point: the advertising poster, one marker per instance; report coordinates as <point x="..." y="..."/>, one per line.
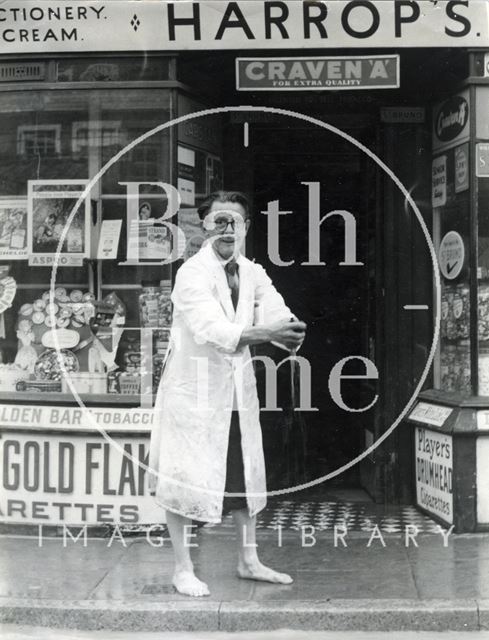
<point x="434" y="473"/>
<point x="149" y="238"/>
<point x="189" y="222"/>
<point x="13" y="230"/>
<point x="54" y="227"/>
<point x="244" y="327"/>
<point x="95" y="477"/>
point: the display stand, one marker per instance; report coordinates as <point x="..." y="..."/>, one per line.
<point x="450" y="424"/>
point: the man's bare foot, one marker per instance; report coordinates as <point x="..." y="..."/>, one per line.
<point x="187" y="583"/>
<point x="258" y="571"/>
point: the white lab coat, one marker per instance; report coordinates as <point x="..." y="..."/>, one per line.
<point x="189" y="441"/>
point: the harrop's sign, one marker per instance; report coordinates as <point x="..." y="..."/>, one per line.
<point x="30" y="26"/>
<point x="317" y="73"/>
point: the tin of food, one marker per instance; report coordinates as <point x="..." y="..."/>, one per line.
<point x="39" y="304"/>
<point x="26" y="310"/>
<point x="65" y="312"/>
<point x="25" y="325"/>
<point x="52" y="308"/>
<point x="59" y="292"/>
<point x="76" y="295"/>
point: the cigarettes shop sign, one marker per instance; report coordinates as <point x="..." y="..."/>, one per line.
<point x="90" y="419"/>
<point x="451" y="122"/>
<point x="451" y="255"/>
<point x="54" y="26"/>
<point x="299" y="74"/>
<point x="74" y="480"/>
<point x="434" y="473"/>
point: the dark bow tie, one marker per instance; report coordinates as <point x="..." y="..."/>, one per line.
<point x="231" y="269"/>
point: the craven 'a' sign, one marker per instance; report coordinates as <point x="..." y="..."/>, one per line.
<point x="320" y="73"/>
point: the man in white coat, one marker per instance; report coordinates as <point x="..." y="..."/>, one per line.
<point x="207" y="442"/>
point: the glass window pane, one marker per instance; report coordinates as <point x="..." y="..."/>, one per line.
<point x="454" y="216"/>
<point x="36" y="138"/>
<point x="483" y="287"/>
<point x="126" y="118"/>
<point x="68" y="135"/>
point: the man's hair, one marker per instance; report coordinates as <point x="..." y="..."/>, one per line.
<point x="224" y="196"/>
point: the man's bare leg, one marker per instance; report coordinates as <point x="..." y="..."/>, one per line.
<point x="184" y="579"/>
<point x="249" y="565"/>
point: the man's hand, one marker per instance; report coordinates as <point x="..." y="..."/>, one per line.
<point x="289" y="333"/>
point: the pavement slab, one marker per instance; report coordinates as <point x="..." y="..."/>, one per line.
<point x="13" y="632"/>
<point x="206" y="615"/>
<point x="188" y="615"/>
<point x="342" y="615"/>
<point x="369" y="584"/>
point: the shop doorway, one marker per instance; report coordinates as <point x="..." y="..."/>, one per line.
<point x="337" y="302"/>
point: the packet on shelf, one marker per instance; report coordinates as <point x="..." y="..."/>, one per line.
<point x="461" y="311"/>
<point x="11" y="375"/>
<point x="155" y="310"/>
<point x="148" y="305"/>
<point x="483" y="321"/>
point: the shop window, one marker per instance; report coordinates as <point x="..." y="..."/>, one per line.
<point x="452" y="234"/>
<point x="141" y="163"/>
<point x="39" y="140"/>
<point x="52" y="142"/>
<point x="148" y="161"/>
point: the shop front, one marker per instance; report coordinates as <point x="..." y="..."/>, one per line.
<point x="359" y="152"/>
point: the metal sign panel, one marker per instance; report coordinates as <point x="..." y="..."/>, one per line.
<point x="432" y="414"/>
<point x="70" y="479"/>
<point x="434" y="472"/>
<point x="317" y="73"/>
<point x="402" y="115"/>
<point x="451" y="122"/>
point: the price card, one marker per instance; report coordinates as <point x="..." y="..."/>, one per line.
<point x="108" y="243"/>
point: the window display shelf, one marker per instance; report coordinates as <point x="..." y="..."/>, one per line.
<point x="92" y="399"/>
<point x="454" y="399"/>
